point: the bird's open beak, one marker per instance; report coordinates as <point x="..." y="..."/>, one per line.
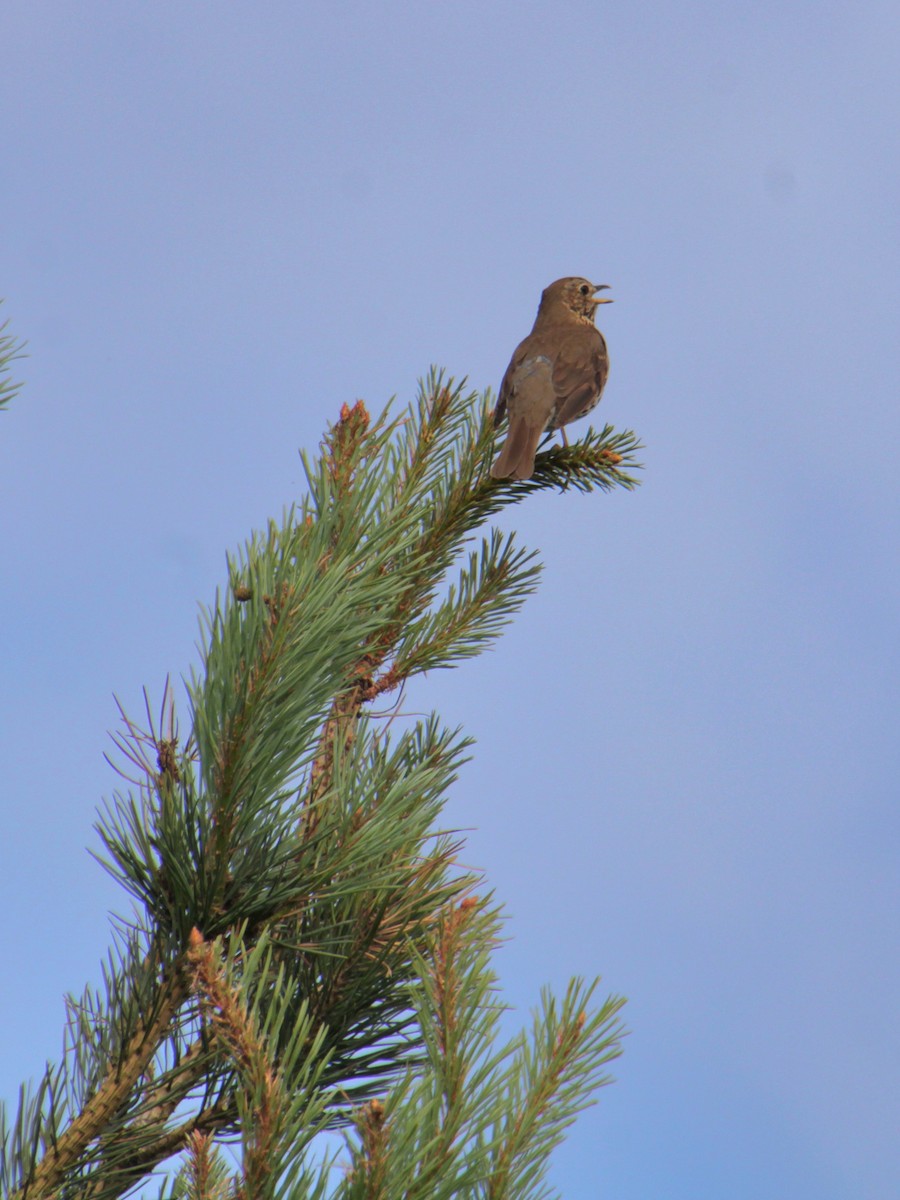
<point x="601" y="287"/>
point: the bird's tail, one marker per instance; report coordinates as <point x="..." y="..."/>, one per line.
<point x="516" y="459"/>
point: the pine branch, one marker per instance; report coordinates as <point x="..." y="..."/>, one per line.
<point x="475" y="1120"/>
<point x="69" y="1147"/>
<point x="551" y="1079"/>
<point x="450" y="505"/>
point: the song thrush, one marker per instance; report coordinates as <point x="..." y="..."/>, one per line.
<point x="555" y="376"/>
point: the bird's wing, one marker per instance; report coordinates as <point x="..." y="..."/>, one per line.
<point x="521" y="352"/>
<point x="579" y="373"/>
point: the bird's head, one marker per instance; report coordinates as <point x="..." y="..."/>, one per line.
<point x="574" y="295"/>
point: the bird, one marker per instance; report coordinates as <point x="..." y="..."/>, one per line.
<point x="555" y="375"/>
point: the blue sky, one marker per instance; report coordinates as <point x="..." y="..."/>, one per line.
<point x="219" y="223"/>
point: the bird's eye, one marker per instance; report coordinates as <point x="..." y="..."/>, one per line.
<point x="585" y="290"/>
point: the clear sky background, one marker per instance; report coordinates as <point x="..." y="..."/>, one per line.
<point x="220" y="222"/>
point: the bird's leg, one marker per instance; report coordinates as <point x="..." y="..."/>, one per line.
<point x="549" y="437"/>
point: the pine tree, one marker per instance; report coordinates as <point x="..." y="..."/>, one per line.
<point x="303" y="952"/>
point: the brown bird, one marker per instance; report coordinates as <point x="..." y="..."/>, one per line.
<point x="555" y="376"/>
